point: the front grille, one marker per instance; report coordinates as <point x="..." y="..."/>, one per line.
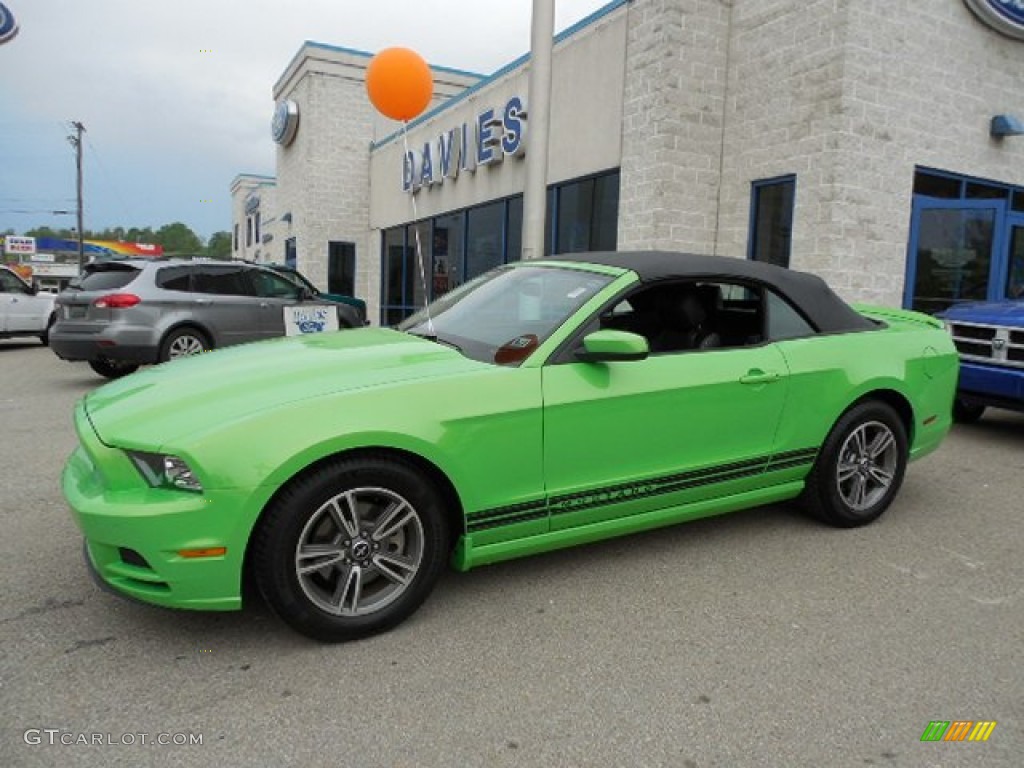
<point x="989" y="343"/>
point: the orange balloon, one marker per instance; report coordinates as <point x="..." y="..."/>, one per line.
<point x="399" y="83"/>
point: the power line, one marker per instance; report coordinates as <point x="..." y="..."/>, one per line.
<point x="110" y="182"/>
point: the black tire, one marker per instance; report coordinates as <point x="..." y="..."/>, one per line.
<point x="183" y="342"/>
<point x="860" y="467"/>
<point x="352" y="585"/>
<point x="966" y="413"/>
<point x="45" y="335"/>
<point x="112" y="369"/>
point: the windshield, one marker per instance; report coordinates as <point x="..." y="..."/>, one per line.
<point x="502" y="316"/>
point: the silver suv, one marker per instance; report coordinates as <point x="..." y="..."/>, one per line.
<point x="121" y="314"/>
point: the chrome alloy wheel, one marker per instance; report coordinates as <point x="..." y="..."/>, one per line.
<point x="185" y="346"/>
<point x="359" y="551"/>
<point x="868" y="460"/>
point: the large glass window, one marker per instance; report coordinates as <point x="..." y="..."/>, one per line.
<point x="461" y="245"/>
<point x="485" y="238"/>
<point x="965" y="241"/>
<point x="514" y="229"/>
<point x="588" y="213"/>
<point x="341" y="268"/>
<point x="393" y="309"/>
<point x="417" y="262"/>
<point x="771" y="220"/>
<point x="1015" y="274"/>
<point x="954" y="256"/>
<point x="448" y="252"/>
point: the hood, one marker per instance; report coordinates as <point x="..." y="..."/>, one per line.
<point x="192" y="395"/>
<point x="987" y="312"/>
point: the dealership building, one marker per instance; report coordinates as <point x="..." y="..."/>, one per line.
<point x="873" y="143"/>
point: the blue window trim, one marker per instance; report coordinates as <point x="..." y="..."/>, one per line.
<point x="755" y="193"/>
<point x="1004" y="217"/>
<point x="997" y="263"/>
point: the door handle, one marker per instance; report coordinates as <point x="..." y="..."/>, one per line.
<point x="264" y="303"/>
<point x="202" y="301"/>
<point x="757" y="376"/>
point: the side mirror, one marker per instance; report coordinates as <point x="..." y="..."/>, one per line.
<point x="33" y="289"/>
<point x="609" y="346"/>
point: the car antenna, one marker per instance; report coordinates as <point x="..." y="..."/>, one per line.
<point x="419" y="245"/>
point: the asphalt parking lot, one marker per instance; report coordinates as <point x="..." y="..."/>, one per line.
<point x="756" y="639"/>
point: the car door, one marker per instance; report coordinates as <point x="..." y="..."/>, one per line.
<point x="273" y="293"/>
<point x="289" y="309"/>
<point x="225" y="303"/>
<point x="21" y="311"/>
<point x="681" y="426"/>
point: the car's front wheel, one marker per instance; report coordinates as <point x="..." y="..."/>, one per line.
<point x="112" y="369"/>
<point x="859" y="468"/>
<point x="351" y="549"/>
<point x="183" y="342"/>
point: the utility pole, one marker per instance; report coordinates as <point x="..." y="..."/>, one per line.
<point x="535" y="193"/>
<point x="76" y="142"/>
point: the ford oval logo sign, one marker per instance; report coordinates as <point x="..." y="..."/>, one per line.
<point x="1006" y="16"/>
<point x="8" y="26"/>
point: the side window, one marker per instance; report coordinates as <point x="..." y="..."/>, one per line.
<point x="784" y="322"/>
<point x="269" y="285"/>
<point x="10" y="284"/>
<point x="174" y="278"/>
<point x="226" y="281"/>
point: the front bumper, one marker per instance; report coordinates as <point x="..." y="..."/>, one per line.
<point x="134" y="533"/>
<point x="998" y="386"/>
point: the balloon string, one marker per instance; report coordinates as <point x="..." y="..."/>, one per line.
<point x="416" y="229"/>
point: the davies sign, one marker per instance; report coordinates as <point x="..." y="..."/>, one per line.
<point x="1006" y="16"/>
<point x="494" y="135"/>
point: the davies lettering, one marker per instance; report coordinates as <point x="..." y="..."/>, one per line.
<point x="487" y="140"/>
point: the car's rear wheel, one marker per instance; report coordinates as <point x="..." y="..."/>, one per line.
<point x="112" y="369"/>
<point x="351" y="549"/>
<point x="183" y="342"/>
<point x="967" y="413"/>
<point x="859" y="468"/>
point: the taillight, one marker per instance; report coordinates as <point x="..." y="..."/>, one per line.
<point x="117" y="301"/>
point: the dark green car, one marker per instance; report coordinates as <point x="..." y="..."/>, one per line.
<point x="543" y="405"/>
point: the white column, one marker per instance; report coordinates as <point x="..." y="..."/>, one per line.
<point x="538" y="124"/>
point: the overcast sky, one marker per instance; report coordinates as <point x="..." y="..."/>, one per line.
<point x="168" y="125"/>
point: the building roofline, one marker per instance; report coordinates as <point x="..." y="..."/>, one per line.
<point x="565" y="34"/>
<point x="362" y="54"/>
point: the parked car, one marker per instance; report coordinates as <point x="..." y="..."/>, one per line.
<point x="543" y="405"/>
<point x="24" y="310"/>
<point x="122" y="314"/>
<point x="990" y="339"/>
<point x="301" y="280"/>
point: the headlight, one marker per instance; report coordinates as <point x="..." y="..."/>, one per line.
<point x="164" y="471"/>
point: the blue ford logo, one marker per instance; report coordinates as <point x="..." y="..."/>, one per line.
<point x="8" y="26"/>
<point x="1006" y="16"/>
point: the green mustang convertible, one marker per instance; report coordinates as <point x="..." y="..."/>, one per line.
<point x="543" y="405"/>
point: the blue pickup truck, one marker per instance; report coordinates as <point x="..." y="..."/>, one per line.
<point x="990" y="339"/>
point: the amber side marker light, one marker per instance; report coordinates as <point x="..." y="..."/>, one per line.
<point x="930" y="420"/>
<point x="208" y="552"/>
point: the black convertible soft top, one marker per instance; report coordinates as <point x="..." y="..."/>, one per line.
<point x="826" y="311"/>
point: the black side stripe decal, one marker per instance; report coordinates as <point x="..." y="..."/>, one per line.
<point x="574" y="502"/>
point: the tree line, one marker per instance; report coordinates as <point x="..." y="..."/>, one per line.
<point x="176" y="238"/>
